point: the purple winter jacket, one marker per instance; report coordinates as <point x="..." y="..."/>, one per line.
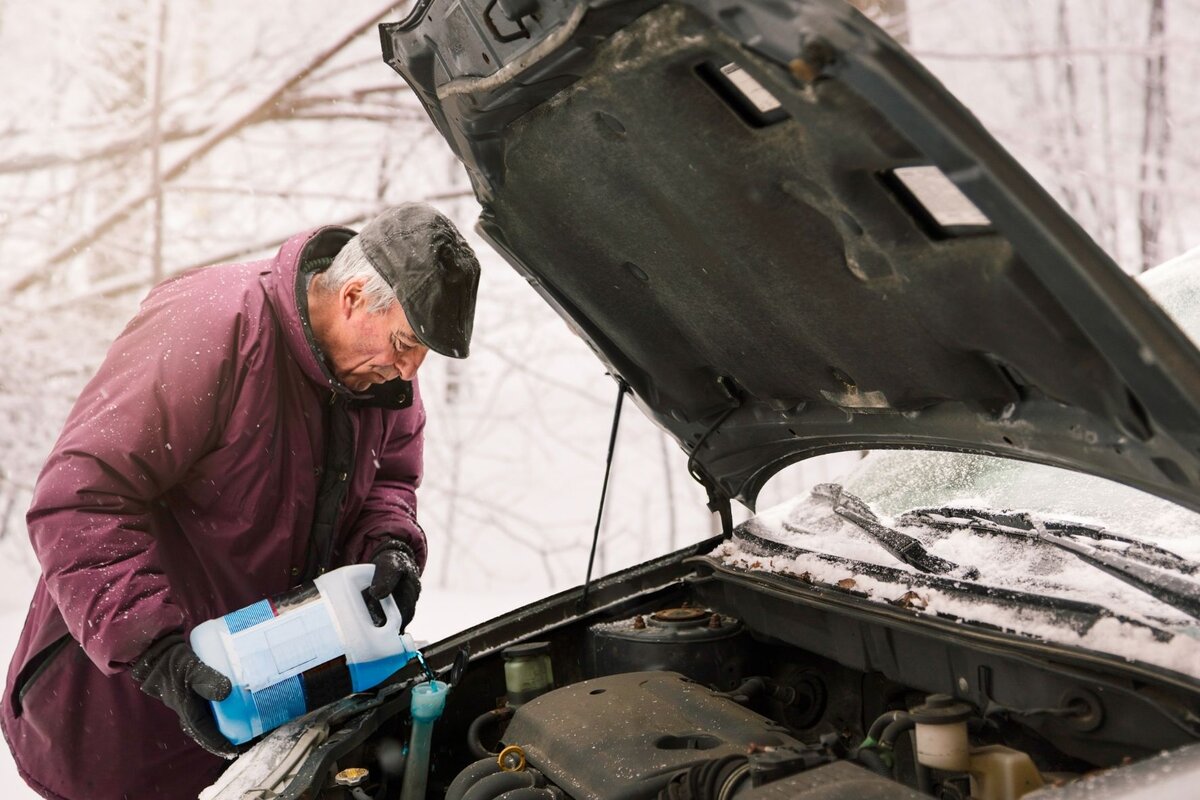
<point x="183" y="487"/>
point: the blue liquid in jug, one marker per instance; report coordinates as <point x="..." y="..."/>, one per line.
<point x="245" y="715"/>
<point x="288" y="655"/>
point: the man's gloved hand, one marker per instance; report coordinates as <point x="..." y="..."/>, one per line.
<point x="397" y="574"/>
<point x="171" y="672"/>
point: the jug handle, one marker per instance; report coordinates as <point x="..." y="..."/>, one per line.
<point x="374" y="609"/>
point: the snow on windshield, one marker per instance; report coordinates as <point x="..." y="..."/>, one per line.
<point x="809" y="524"/>
<point x="1002" y="561"/>
<point x="894" y="482"/>
<point x="1118" y="637"/>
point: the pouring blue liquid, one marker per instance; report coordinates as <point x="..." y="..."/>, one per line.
<point x="300" y="650"/>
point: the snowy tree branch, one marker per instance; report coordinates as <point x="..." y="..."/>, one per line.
<point x="124" y="209"/>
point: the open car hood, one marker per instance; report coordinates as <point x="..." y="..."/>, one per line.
<point x="789" y="239"/>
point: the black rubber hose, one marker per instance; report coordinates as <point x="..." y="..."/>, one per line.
<point x="902" y="723"/>
<point x="882" y="722"/>
<point x="493" y="786"/>
<point x="752" y="687"/>
<point x="474" y="740"/>
<point x="537" y="789"/>
<point x="870" y="759"/>
<point x="747" y="691"/>
<point x="471" y="775"/>
<point x="530" y="793"/>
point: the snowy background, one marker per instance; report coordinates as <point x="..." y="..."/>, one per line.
<point x="139" y="138"/>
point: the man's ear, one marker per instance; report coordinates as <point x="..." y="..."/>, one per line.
<point x="350" y="297"/>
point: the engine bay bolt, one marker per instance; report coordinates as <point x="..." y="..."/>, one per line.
<point x="351" y="777"/>
<point x="714" y="622"/>
<point x="639" y="622"/>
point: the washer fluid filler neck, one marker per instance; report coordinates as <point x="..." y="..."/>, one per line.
<point x="428" y="702"/>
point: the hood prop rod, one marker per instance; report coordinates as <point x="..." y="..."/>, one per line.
<point x="622" y="388"/>
<point x="717" y="503"/>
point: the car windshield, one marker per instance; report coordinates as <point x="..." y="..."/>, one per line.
<point x="1044" y="533"/>
<point x="893" y="482"/>
<point x="896" y="481"/>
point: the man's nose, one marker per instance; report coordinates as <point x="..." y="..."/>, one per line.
<point x="409" y="361"/>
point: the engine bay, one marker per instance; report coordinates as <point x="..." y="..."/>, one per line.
<point x="687" y="702"/>
<point x="684" y="680"/>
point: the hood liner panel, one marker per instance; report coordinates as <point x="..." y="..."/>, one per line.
<point x="713" y="257"/>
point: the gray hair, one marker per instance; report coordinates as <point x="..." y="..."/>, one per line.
<point x="350" y="264"/>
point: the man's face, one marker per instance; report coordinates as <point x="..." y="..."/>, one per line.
<point x="365" y="348"/>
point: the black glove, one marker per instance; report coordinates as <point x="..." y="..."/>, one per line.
<point x="171" y="672"/>
<point x="397" y="574"/>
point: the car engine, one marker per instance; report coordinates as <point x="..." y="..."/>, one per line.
<point x="674" y="713"/>
<point x="686" y="682"/>
<point x="650" y="734"/>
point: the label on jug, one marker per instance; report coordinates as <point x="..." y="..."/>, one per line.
<point x="287" y="645"/>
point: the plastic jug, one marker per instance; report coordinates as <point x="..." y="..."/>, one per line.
<point x="300" y="650"/>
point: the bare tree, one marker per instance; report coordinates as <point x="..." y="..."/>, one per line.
<point x="254" y="141"/>
<point x="155" y="63"/>
<point x="1109" y="233"/>
<point x="275" y="103"/>
<point x="1156" y="139"/>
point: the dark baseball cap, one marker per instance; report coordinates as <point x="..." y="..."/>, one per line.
<point x="432" y="269"/>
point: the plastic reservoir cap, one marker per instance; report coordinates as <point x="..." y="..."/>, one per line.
<point x="940" y="709"/>
<point x="429" y="700"/>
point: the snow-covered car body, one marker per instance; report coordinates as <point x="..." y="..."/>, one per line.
<point x="787" y="239"/>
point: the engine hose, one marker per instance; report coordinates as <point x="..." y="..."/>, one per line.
<point x="747" y="691"/>
<point x="532" y="793"/>
<point x="493" y="786"/>
<point x="882" y="722"/>
<point x="871" y="760"/>
<point x="470" y="776"/>
<point x="474" y="739"/>
<point x="752" y="687"/>
<point x="902" y="723"/>
<point x="708" y="780"/>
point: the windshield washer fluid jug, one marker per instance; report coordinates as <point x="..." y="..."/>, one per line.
<point x="300" y="650"/>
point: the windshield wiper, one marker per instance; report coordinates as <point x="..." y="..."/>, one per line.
<point x="1140" y="564"/>
<point x="900" y="545"/>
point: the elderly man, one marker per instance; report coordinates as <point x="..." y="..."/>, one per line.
<point x="254" y="425"/>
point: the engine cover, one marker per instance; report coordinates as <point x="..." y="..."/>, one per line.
<point x="623" y="736"/>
